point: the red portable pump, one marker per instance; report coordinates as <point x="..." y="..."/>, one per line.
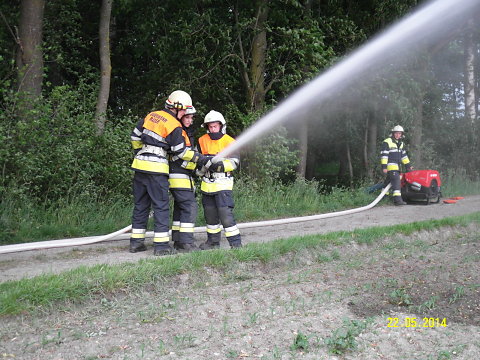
<point x="421" y="185"/>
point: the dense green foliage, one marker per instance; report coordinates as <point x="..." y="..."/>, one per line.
<point x="55" y="154"/>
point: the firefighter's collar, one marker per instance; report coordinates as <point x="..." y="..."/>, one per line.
<point x="216" y="136"/>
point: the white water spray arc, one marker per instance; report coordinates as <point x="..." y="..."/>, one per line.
<point x="418" y="28"/>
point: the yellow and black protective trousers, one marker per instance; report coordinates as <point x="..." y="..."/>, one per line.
<point x="184" y="214"/>
<point x="150" y="191"/>
<point x="182" y="188"/>
<point x="218" y="208"/>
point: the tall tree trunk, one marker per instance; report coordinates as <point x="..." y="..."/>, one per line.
<point x="469" y="86"/>
<point x="349" y="163"/>
<point x="29" y="54"/>
<point x="416" y="135"/>
<point x="310" y="168"/>
<point x="370" y="153"/>
<point x="303" y="148"/>
<point x="303" y="126"/>
<point x="256" y="92"/>
<point x="105" y="66"/>
<point x="346" y="167"/>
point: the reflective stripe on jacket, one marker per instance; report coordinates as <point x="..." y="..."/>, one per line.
<point x="155" y="136"/>
<point x="181" y="171"/>
<point x="392" y="154"/>
<point x="213" y="182"/>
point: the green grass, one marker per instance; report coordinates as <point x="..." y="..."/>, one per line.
<point x="458" y="183"/>
<point x="83" y="283"/>
<point x="344" y="338"/>
<point x="21" y="221"/>
<point x="272" y="201"/>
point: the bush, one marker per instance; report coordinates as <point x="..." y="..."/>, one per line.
<point x="53" y="153"/>
<point x="272" y="158"/>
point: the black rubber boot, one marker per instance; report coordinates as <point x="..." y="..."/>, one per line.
<point x="137" y="246"/>
<point x="185" y="247"/>
<point x="397" y="201"/>
<point x="210" y="245"/>
<point x="162" y="251"/>
<point x="235" y="241"/>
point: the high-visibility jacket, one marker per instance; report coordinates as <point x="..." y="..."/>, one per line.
<point x="393" y="154"/>
<point x="212" y="181"/>
<point x="156" y="136"/>
<point x="181" y="171"/>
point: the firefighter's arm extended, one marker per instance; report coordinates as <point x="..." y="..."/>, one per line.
<point x="225" y="165"/>
<point x="179" y="149"/>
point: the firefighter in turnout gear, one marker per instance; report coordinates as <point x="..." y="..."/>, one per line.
<point x="183" y="191"/>
<point x="154" y="139"/>
<point x="217" y="184"/>
<point x="393" y="154"/>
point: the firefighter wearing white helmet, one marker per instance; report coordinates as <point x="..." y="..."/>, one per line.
<point x="183" y="191"/>
<point x="154" y="139"/>
<point x="392" y="155"/>
<point x="179" y="100"/>
<point x="397" y="128"/>
<point x="217" y="184"/>
<point x="215" y="116"/>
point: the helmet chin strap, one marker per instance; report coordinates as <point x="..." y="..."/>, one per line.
<point x="175" y="111"/>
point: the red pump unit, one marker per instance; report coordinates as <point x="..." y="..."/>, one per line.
<point x="421" y="186"/>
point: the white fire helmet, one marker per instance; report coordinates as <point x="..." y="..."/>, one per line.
<point x="179" y="100"/>
<point x="215" y="116"/>
<point x="191" y="111"/>
<point x="397" y="128"/>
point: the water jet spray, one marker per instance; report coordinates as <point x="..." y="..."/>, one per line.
<point x="387" y="47"/>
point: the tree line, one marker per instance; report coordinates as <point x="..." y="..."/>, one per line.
<point x="76" y="76"/>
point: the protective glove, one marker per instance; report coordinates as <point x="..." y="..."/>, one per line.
<point x="203" y="161"/>
<point x="203" y="164"/>
<point x="217" y="167"/>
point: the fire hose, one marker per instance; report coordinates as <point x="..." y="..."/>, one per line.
<point x="120" y="234"/>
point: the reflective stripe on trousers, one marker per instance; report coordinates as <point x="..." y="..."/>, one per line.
<point x="393" y="177"/>
<point x="184" y="215"/>
<point x="218" y="208"/>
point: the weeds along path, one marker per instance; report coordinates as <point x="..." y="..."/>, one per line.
<point x="15" y="266"/>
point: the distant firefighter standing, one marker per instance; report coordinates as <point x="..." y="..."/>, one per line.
<point x="392" y="155"/>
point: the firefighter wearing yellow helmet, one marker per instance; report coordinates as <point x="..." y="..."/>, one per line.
<point x="392" y="155"/>
<point x="183" y="191"/>
<point x="217" y="184"/>
<point x="154" y="139"/>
